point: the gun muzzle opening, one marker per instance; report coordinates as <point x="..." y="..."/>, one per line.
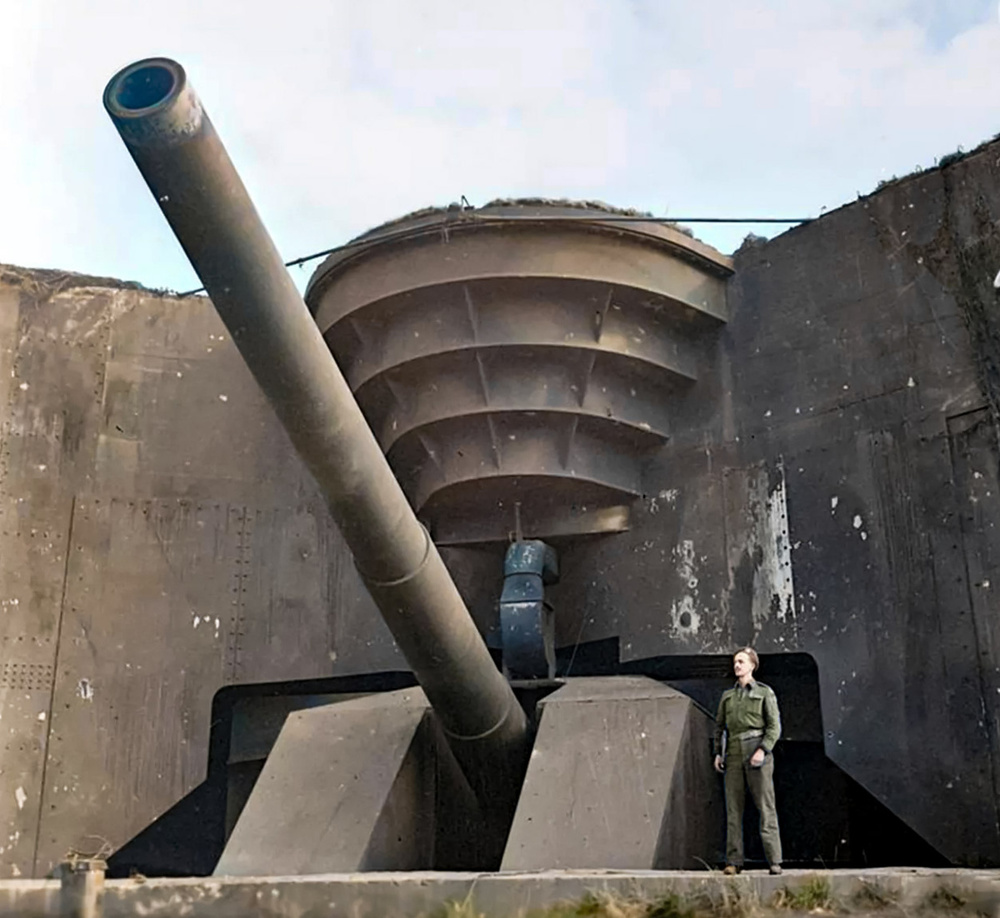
<point x="143" y="86"/>
<point x="151" y="103"/>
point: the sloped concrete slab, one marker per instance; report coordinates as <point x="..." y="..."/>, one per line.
<point x="620" y="777"/>
<point x="342" y="790"/>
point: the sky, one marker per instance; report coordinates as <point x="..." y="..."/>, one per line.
<point x="341" y="114"/>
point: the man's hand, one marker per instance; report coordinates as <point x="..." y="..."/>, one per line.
<point x="719" y="766"/>
<point x="757" y="759"/>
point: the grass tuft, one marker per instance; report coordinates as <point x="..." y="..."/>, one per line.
<point x="950" y="158"/>
<point x="733" y="899"/>
<point x="609" y="905"/>
<point x="814" y="895"/>
<point x="670" y="906"/>
<point x="459" y="909"/>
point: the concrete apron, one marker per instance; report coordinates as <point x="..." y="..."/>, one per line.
<point x="395" y="895"/>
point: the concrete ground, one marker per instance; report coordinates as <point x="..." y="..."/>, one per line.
<point x="617" y="894"/>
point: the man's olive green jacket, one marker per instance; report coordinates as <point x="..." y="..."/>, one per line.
<point x="744" y="709"/>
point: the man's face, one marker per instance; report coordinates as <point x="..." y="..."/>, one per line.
<point x="742" y="665"/>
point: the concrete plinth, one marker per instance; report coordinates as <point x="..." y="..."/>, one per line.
<point x="620" y="777"/>
<point x="348" y="786"/>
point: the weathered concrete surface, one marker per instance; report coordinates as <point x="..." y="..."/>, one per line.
<point x="160" y="540"/>
<point x="617" y="779"/>
<point x="859" y="369"/>
<point x="368" y="783"/>
<point x="407" y="895"/>
<point x="346" y="787"/>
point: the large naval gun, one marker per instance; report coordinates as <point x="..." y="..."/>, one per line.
<point x="451" y="576"/>
<point x="356" y="784"/>
<point x="186" y="167"/>
<point x="512" y="385"/>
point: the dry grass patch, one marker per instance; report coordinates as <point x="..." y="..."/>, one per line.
<point x="609" y="905"/>
<point x="734" y="899"/>
<point x="871" y="898"/>
<point x="462" y="909"/>
<point x="945" y="900"/>
<point x="814" y="895"/>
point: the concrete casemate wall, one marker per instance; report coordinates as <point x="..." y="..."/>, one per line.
<point x="829" y="486"/>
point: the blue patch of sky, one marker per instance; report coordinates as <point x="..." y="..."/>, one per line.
<point x="944" y="20"/>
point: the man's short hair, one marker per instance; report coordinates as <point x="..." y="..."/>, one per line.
<point x="752" y="654"/>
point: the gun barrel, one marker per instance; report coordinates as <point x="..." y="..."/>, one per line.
<point x="182" y="159"/>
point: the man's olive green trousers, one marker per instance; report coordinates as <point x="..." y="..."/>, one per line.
<point x="740" y="775"/>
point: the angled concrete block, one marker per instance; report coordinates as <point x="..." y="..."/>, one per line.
<point x="348" y="786"/>
<point x="620" y="777"/>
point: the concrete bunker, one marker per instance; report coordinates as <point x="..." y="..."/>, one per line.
<point x="809" y="465"/>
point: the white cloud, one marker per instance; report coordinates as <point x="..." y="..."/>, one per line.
<point x="340" y="115"/>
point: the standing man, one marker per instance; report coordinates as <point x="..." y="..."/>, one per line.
<point x="749" y="722"/>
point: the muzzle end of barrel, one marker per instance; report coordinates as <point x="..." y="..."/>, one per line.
<point x="151" y="101"/>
